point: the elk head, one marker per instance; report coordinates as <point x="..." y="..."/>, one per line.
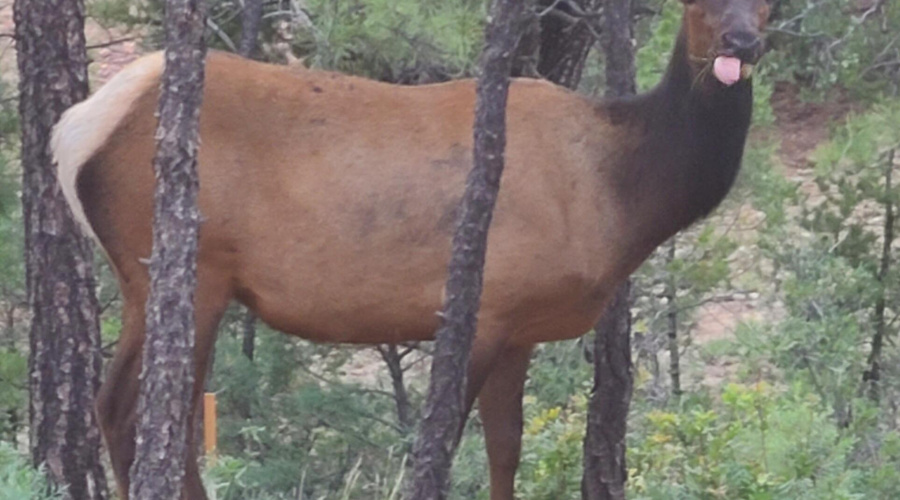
<point x="724" y="37"/>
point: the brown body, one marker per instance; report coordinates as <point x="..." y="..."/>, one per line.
<point x="329" y="203"/>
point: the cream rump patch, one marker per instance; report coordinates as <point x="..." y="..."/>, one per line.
<point x="85" y="127"/>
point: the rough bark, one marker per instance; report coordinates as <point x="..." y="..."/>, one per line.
<point x="605" y="470"/>
<point x="251" y="18"/>
<point x="444" y="407"/>
<point x="872" y="376"/>
<point x="604" y="444"/>
<point x="164" y="405"/>
<point x="64" y="362"/>
<point x="618" y="48"/>
<point x="565" y="40"/>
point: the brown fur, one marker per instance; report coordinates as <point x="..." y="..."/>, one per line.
<point x="329" y="203"/>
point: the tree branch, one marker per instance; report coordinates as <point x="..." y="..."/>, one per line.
<point x="110" y="43"/>
<point x="222" y="35"/>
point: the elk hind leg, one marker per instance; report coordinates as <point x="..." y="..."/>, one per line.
<point x="118" y="397"/>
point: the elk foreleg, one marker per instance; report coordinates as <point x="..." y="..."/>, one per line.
<point x="500" y="406"/>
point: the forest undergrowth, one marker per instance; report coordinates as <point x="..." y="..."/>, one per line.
<point x="774" y="302"/>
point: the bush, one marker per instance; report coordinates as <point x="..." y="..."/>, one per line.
<point x="753" y="442"/>
<point x="19" y="481"/>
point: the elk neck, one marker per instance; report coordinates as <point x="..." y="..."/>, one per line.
<point x="681" y="149"/>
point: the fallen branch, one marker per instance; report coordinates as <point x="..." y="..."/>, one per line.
<point x="110" y="43"/>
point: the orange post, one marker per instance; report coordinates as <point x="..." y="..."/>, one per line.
<point x="209" y="426"/>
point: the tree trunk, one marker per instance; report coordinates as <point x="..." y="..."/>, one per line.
<point x="393" y="358"/>
<point x="445" y="403"/>
<point x="65" y="362"/>
<point x="605" y="472"/>
<point x="872" y="376"/>
<point x="251" y="18"/>
<point x="604" y="444"/>
<point x="618" y="48"/>
<point x="565" y="45"/>
<point x="167" y="377"/>
<point x="527" y="54"/>
<point x="672" y="323"/>
<point x="248" y="346"/>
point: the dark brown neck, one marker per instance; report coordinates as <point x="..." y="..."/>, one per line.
<point x="686" y="140"/>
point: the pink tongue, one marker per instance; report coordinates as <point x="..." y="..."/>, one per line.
<point x="727" y="69"/>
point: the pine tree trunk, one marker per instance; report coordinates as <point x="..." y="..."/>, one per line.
<point x="672" y="323"/>
<point x="618" y="48"/>
<point x="393" y="358"/>
<point x="248" y="344"/>
<point x="164" y="405"/>
<point x="251" y="18"/>
<point x="444" y="407"/>
<point x="248" y="347"/>
<point x="872" y="376"/>
<point x="605" y="472"/>
<point x="65" y="362"/>
<point x="604" y="444"/>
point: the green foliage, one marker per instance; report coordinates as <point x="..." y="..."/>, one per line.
<point x="12" y="268"/>
<point x="9" y="137"/>
<point x="830" y="268"/>
<point x="290" y="423"/>
<point x="771" y="193"/>
<point x="294" y="424"/>
<point x="470" y="469"/>
<point x="19" y="481"/>
<point x="558" y="370"/>
<point x="830" y="42"/>
<point x="763" y="89"/>
<point x="823" y="247"/>
<point x="409" y="41"/>
<point x="13" y="361"/>
<point x="678" y="284"/>
<point x="13" y="392"/>
<point x="696" y="270"/>
<point x="652" y="58"/>
<point x="394" y="40"/>
<point x="851" y="175"/>
<point x="820" y="341"/>
<point x="552" y="450"/>
<point x="116" y="12"/>
<point x="753" y="442"/>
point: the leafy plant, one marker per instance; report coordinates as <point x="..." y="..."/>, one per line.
<point x="19" y="481"/>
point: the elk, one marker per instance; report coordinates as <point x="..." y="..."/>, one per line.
<point x="329" y="203"/>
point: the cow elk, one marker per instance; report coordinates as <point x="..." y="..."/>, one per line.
<point x="329" y="202"/>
